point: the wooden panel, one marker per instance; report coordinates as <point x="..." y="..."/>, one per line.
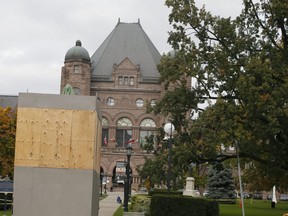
<point x="57" y="138"/>
<point x="56" y="133"/>
<point x="28" y="136"/>
<point x="83" y="139"/>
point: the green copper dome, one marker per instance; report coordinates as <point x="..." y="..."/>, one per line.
<point x="77" y="53"/>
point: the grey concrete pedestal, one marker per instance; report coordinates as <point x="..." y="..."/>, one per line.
<point x="189" y="188"/>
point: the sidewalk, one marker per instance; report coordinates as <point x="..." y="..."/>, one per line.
<point x="109" y="205"/>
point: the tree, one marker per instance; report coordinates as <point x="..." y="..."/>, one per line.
<point x="239" y="71"/>
<point x="220" y="183"/>
<point x="7" y="140"/>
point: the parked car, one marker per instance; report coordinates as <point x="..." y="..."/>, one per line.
<point x="205" y="193"/>
<point x="258" y="196"/>
<point x="283" y="197"/>
<point x="246" y="195"/>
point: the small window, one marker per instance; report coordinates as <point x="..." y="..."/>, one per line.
<point x="76" y="69"/>
<point x="139" y="102"/>
<point x="77" y="91"/>
<point x="120" y="80"/>
<point x="131" y="81"/>
<point x="125" y="80"/>
<point x="110" y="101"/>
<point x="153" y="102"/>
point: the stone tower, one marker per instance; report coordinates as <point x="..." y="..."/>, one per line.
<point x="77" y="70"/>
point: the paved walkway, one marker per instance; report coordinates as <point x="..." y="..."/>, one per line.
<point x="109" y="205"/>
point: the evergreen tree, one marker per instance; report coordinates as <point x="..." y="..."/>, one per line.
<point x="220" y="183"/>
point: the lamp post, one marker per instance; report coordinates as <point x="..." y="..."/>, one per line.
<point x="101" y="183"/>
<point x="127" y="182"/>
<point x="105" y="186"/>
<point x="240" y="181"/>
<point x="169" y="128"/>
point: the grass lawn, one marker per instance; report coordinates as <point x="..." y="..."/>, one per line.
<point x="119" y="211"/>
<point x="8" y="213"/>
<point x="254" y="208"/>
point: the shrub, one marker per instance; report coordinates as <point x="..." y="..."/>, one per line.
<point x="163" y="191"/>
<point x="140" y="203"/>
<point x="169" y="205"/>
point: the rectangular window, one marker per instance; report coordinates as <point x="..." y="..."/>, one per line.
<point x="122" y="137"/>
<point x="131" y="81"/>
<point x="125" y="80"/>
<point x="120" y="80"/>
<point x="76" y="69"/>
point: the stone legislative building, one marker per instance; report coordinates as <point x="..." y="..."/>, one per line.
<point x="122" y="73"/>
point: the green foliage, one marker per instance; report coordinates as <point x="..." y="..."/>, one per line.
<point x="164" y="191"/>
<point x="7" y="140"/>
<point x="182" y="205"/>
<point x="220" y="183"/>
<point x="149" y="145"/>
<point x="239" y="71"/>
<point x="140" y="203"/>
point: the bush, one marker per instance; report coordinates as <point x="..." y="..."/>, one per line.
<point x="140" y="203"/>
<point x="167" y="205"/>
<point x="163" y="191"/>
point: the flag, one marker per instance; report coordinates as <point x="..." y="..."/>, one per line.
<point x="105" y="140"/>
<point x="130" y="141"/>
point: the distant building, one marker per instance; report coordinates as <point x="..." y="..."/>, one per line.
<point x="8" y="101"/>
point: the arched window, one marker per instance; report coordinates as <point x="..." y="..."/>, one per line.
<point x="123" y="132"/>
<point x="105" y="132"/>
<point x="147" y="129"/>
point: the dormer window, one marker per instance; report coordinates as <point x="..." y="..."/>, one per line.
<point x="125" y="80"/>
<point x="131" y="81"/>
<point x="120" y="80"/>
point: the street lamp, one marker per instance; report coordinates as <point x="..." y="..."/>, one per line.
<point x="169" y="128"/>
<point x="127" y="182"/>
<point x="101" y="183"/>
<point x="105" y="185"/>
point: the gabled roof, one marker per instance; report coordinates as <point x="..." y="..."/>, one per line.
<point x="127" y="40"/>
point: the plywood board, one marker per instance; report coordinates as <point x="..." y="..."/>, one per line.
<point x="57" y="138"/>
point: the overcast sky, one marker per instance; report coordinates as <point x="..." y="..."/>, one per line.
<point x="35" y="35"/>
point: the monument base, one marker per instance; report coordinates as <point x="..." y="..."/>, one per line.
<point x="189" y="188"/>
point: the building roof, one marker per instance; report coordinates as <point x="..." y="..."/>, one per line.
<point x="8" y="101"/>
<point x="77" y="53"/>
<point x="127" y="40"/>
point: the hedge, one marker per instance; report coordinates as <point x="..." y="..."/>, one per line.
<point x="172" y="205"/>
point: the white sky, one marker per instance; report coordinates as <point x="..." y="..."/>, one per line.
<point x="35" y="35"/>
